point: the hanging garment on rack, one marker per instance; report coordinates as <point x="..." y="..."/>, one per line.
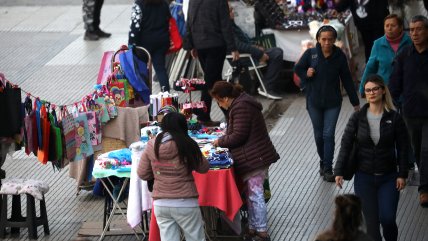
<point x="10" y="109"/>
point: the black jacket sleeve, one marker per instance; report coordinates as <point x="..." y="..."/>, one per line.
<point x="301" y="67"/>
<point x="348" y="83"/>
<point x="135" y="25"/>
<point x="226" y="25"/>
<point x="347" y="142"/>
<point x="401" y="145"/>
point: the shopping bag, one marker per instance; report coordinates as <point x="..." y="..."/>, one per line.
<point x="137" y="73"/>
<point x="10" y="109"/>
<point x="174" y="37"/>
<point x="117" y="91"/>
<point x="30" y="128"/>
<point x="83" y="143"/>
<point x="105" y="67"/>
<point x="55" y="146"/>
<point x="43" y="151"/>
<point x="94" y="127"/>
<point x="67" y="125"/>
<point x="103" y="112"/>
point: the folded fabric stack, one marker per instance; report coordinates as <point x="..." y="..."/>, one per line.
<point x="220" y="159"/>
<point x="118" y="160"/>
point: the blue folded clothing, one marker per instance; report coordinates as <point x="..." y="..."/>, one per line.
<point x="220" y="160"/>
<point x="121" y="155"/>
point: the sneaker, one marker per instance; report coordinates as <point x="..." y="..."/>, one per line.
<point x="102" y="34"/>
<point x="423" y="199"/>
<point x="269" y="95"/>
<point x="328" y="176"/>
<point x="91" y="36"/>
<point x="209" y="123"/>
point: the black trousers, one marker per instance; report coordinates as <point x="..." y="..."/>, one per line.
<point x="418" y="132"/>
<point x="369" y="36"/>
<point x="212" y="60"/>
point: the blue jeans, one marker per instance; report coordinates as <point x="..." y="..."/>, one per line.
<point x="324" y="124"/>
<point x="158" y="58"/>
<point x="379" y="197"/>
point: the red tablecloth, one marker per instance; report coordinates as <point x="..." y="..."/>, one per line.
<point x="216" y="188"/>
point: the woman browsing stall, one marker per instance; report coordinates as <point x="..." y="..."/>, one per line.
<point x="169" y="159"/>
<point x="252" y="150"/>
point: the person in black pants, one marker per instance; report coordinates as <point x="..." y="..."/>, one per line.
<point x="91" y="19"/>
<point x="149" y="29"/>
<point x="368" y="18"/>
<point x="209" y="36"/>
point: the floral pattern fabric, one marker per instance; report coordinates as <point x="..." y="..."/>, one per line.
<point x="35" y="188"/>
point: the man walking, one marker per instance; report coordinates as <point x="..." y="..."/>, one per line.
<point x="409" y="80"/>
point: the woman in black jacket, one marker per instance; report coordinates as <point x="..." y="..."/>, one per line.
<point x="322" y="69"/>
<point x="381" y="157"/>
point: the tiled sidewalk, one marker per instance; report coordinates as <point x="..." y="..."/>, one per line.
<point x="43" y="51"/>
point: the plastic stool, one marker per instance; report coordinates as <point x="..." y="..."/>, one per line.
<point x="31" y="221"/>
<point x="32" y="189"/>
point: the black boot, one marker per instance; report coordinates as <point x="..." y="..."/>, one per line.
<point x="102" y="34"/>
<point x="328" y="176"/>
<point x="91" y="36"/>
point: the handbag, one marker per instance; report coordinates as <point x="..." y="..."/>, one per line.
<point x="174" y="37"/>
<point x="67" y="125"/>
<point x="10" y="104"/>
<point x="351" y="164"/>
<point x="191" y="84"/>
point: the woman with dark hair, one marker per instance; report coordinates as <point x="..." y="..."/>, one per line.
<point x="169" y="159"/>
<point x="322" y="69"/>
<point x="252" y="150"/>
<point x="385" y="49"/>
<point x="348" y="221"/>
<point x="150" y="30"/>
<point x="381" y="158"/>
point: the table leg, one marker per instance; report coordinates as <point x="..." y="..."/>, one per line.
<point x="116" y="205"/>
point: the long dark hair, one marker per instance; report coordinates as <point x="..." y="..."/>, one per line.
<point x="347" y="218"/>
<point x="188" y="150"/>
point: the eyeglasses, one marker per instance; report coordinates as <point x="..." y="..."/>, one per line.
<point x="373" y="90"/>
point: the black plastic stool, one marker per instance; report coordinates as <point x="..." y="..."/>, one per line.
<point x="31" y="221"/>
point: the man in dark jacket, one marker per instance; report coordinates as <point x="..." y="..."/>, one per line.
<point x="209" y="36"/>
<point x="272" y="56"/>
<point x="409" y="80"/>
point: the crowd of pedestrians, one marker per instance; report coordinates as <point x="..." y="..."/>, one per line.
<point x="394" y="85"/>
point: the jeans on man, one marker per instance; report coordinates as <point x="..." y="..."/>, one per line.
<point x="158" y="58"/>
<point x="418" y="132"/>
<point x="212" y="60"/>
<point x="324" y="123"/>
<point x="273" y="70"/>
<point x="379" y="197"/>
<point x="171" y="219"/>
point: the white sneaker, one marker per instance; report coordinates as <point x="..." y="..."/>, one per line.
<point x="267" y="95"/>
